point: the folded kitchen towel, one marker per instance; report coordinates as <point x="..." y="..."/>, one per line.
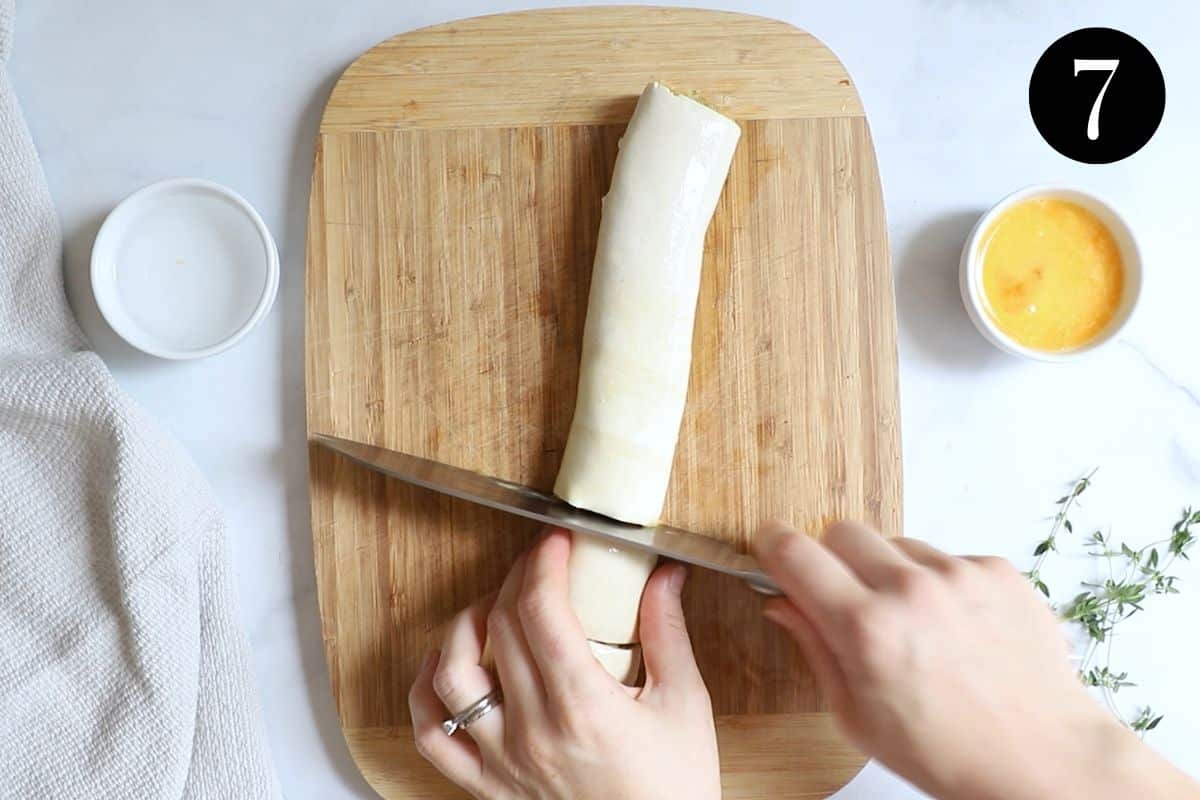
<point x="123" y="673"/>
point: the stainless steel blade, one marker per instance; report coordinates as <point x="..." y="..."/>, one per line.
<point x="674" y="543"/>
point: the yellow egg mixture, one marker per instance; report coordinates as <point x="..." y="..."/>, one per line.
<point x="1052" y="274"/>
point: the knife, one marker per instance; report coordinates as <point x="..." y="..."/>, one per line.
<point x="663" y="540"/>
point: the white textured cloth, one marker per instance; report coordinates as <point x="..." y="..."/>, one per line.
<point x="123" y="673"/>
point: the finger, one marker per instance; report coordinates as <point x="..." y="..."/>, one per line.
<point x="460" y="681"/>
<point x="456" y="757"/>
<point x="524" y="697"/>
<point x="925" y="554"/>
<point x="666" y="647"/>
<point x="462" y="651"/>
<point x="821" y="660"/>
<point x="997" y="567"/>
<point x="869" y="555"/>
<point x="553" y="632"/>
<point x="815" y="580"/>
<point x="991" y="563"/>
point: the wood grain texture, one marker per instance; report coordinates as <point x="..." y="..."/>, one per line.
<point x="764" y="756"/>
<point x="587" y="67"/>
<point x="449" y="258"/>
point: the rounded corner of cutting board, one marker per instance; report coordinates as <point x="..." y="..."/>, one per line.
<point x="373" y="750"/>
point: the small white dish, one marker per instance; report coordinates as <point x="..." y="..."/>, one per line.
<point x="184" y="268"/>
<point x="970" y="271"/>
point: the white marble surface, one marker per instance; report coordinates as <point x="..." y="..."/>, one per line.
<point x="128" y="91"/>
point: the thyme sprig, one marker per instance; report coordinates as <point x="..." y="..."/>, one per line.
<point x="1133" y="575"/>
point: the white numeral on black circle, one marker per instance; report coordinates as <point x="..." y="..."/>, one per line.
<point x="1108" y="65"/>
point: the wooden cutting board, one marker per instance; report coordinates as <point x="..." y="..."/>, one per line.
<point x="455" y="204"/>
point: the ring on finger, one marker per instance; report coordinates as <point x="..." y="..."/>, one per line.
<point x="472" y="713"/>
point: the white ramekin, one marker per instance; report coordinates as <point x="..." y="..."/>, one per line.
<point x="971" y="270"/>
<point x="184" y="268"/>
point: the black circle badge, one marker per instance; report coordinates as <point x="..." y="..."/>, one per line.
<point x="1097" y="95"/>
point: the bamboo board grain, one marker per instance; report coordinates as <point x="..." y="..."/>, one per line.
<point x="455" y="203"/>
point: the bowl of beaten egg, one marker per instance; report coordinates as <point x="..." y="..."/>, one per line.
<point x="1050" y="273"/>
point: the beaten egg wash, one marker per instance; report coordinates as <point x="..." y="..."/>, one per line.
<point x="1052" y="274"/>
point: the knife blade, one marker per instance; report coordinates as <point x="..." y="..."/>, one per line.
<point x="664" y="540"/>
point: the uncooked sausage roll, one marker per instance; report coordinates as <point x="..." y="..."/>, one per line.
<point x="637" y="342"/>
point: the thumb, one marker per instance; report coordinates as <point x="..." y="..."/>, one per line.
<point x="666" y="648"/>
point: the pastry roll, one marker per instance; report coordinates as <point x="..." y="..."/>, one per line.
<point x="623" y="663"/>
<point x="637" y="342"/>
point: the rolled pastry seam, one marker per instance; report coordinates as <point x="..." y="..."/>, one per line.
<point x="637" y="342"/>
<point x="623" y="663"/>
<point x="605" y="585"/>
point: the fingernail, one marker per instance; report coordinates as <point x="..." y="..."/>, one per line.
<point x="429" y="660"/>
<point x="841" y="526"/>
<point x="771" y="532"/>
<point x="677" y="578"/>
<point x="550" y="531"/>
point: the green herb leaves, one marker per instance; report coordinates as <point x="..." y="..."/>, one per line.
<point x="1146" y="720"/>
<point x="1050" y="543"/>
<point x="1133" y="575"/>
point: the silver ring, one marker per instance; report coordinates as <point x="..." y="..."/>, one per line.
<point x="472" y="713"/>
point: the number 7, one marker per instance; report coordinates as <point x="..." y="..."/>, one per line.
<point x="1108" y="65"/>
